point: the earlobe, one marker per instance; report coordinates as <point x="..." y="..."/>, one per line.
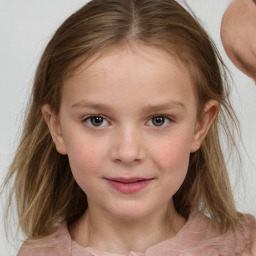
<point x="53" y="124"/>
<point x="204" y="123"/>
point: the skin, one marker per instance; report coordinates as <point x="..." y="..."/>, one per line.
<point x="238" y="35"/>
<point x="128" y="87"/>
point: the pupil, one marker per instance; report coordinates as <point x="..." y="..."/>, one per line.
<point x="97" y="120"/>
<point x="158" y="121"/>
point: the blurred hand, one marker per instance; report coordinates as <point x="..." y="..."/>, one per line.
<point x="238" y="35"/>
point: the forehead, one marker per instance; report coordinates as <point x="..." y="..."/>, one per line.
<point x="135" y="71"/>
<point x="130" y="54"/>
<point x="130" y="51"/>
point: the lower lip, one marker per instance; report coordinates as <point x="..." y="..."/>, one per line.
<point x="129" y="188"/>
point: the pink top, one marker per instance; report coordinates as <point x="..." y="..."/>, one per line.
<point x="197" y="237"/>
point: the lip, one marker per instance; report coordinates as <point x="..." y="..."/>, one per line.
<point x="129" y="185"/>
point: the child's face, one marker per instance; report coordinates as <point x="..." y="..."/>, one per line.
<point x="128" y="124"/>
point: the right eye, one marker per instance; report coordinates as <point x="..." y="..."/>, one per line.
<point x="159" y="121"/>
<point x="96" y="121"/>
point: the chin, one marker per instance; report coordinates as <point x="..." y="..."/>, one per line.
<point x="130" y="211"/>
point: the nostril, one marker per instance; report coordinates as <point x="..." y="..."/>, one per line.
<point x="127" y="161"/>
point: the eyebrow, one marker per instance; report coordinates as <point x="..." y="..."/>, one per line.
<point x="96" y="106"/>
<point x="162" y="107"/>
<point x="148" y="108"/>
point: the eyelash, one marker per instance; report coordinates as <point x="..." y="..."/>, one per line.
<point x="88" y="120"/>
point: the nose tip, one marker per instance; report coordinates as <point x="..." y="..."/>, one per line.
<point x="127" y="158"/>
<point x="128" y="149"/>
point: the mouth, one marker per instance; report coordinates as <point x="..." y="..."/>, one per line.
<point x="129" y="185"/>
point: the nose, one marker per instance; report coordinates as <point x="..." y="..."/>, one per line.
<point x="128" y="147"/>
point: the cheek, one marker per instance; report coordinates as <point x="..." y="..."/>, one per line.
<point x="86" y="157"/>
<point x="172" y="156"/>
<point x="172" y="163"/>
<point x="176" y="148"/>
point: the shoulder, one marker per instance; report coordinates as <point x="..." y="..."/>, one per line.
<point x="58" y="243"/>
<point x="247" y="232"/>
<point x="240" y="241"/>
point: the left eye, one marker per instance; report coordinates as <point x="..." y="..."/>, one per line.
<point x="96" y="121"/>
<point x="159" y="121"/>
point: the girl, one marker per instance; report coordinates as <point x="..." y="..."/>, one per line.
<point x="120" y="153"/>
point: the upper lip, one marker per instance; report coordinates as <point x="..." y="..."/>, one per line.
<point x="128" y="180"/>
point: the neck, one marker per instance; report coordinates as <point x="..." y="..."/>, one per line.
<point x="105" y="233"/>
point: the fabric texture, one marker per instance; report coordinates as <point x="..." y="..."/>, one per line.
<point x="197" y="237"/>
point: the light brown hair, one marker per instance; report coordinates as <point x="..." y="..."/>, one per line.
<point x="44" y="188"/>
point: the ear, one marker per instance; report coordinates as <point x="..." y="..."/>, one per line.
<point x="204" y="123"/>
<point x="53" y="124"/>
